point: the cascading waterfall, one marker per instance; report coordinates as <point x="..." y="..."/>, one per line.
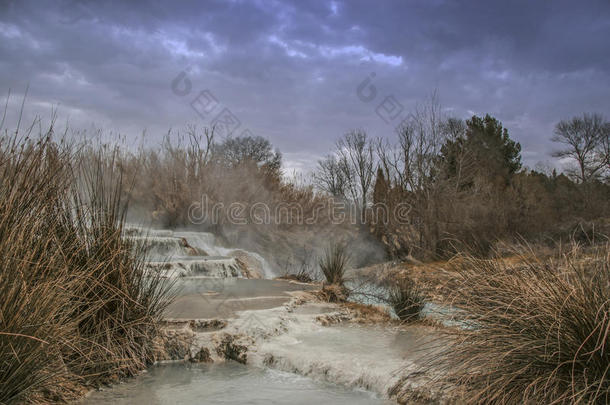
<point x="196" y="254"/>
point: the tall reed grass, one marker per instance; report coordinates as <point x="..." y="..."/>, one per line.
<point x="540" y="330"/>
<point x="76" y="307"/>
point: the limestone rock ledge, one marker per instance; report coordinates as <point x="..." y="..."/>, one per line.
<point x="340" y="343"/>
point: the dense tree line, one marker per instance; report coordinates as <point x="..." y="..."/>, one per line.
<point x="465" y="184"/>
<point x="462" y="180"/>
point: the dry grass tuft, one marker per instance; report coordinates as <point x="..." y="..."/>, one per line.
<point x="334" y="263"/>
<point x="540" y="329"/>
<point x="406" y="299"/>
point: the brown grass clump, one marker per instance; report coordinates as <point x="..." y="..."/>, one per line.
<point x="540" y="330"/>
<point x="76" y="308"/>
<point x="334" y="263"/>
<point x="406" y="299"/>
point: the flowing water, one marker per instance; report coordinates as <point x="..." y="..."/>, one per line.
<point x="227" y="383"/>
<point x="186" y="254"/>
<point x="353" y="355"/>
<point x="297" y="358"/>
<point x="209" y="283"/>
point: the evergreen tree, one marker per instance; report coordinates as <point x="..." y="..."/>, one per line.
<point x="483" y="150"/>
<point x="380" y="189"/>
<point x="491" y="146"/>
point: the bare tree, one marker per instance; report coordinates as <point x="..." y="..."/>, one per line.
<point x="583" y="139"/>
<point x="348" y="173"/>
<point x="356" y="160"/>
<point x="199" y="149"/>
<point x="329" y="176"/>
<point x="411" y="162"/>
<point x="412" y="166"/>
<point x="234" y="151"/>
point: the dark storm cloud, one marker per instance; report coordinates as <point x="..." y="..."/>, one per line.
<point x="289" y="70"/>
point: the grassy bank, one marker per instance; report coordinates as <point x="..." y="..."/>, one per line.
<point x="540" y="329"/>
<point x="76" y="309"/>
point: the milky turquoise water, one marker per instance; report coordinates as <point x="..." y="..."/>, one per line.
<point x="226" y="383"/>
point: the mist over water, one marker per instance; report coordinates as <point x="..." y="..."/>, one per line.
<point x="191" y="253"/>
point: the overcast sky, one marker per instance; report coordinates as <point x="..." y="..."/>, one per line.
<point x="290" y="71"/>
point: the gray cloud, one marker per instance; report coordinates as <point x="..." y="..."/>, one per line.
<point x="289" y="70"/>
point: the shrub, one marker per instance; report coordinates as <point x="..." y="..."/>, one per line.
<point x="334" y="263"/>
<point x="406" y="298"/>
<point x="540" y="330"/>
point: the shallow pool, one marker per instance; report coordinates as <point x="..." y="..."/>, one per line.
<point x="226" y="383"/>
